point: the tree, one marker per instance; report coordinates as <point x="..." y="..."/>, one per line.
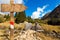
<point x="16" y="14"/>
<point x="20" y="17"/>
<point x="54" y="21"/>
<point x="1" y="18"/>
<point x="7" y="17"/>
<point x="29" y="19"/>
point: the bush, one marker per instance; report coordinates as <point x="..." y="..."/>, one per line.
<point x="54" y="22"/>
<point x="1" y="20"/>
<point x="7" y="17"/>
<point x="20" y="17"/>
<point x="29" y="19"/>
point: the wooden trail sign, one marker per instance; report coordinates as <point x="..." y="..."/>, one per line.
<point x="12" y="8"/>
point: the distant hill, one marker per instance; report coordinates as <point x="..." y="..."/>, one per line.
<point x="45" y="16"/>
<point x="53" y="17"/>
<point x="54" y="14"/>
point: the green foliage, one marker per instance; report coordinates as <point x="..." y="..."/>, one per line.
<point x="7" y="17"/>
<point x="54" y="21"/>
<point x="16" y="14"/>
<point x="20" y="17"/>
<point x="29" y="19"/>
<point x="1" y="19"/>
<point x="39" y="20"/>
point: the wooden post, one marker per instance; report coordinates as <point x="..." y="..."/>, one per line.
<point x="11" y="1"/>
<point x="12" y="20"/>
<point x="12" y="27"/>
<point x="12" y="34"/>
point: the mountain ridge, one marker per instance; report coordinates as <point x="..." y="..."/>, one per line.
<point x="54" y="14"/>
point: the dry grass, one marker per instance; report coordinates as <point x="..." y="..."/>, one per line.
<point x="44" y="37"/>
<point x="7" y="24"/>
<point x="41" y="35"/>
<point x="50" y="27"/>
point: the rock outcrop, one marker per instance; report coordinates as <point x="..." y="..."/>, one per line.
<point x="27" y="35"/>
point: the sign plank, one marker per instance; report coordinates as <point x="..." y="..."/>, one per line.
<point x="12" y="8"/>
<point x="5" y="8"/>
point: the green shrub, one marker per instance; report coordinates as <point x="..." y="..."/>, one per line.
<point x="20" y="17"/>
<point x="54" y="21"/>
<point x="1" y="20"/>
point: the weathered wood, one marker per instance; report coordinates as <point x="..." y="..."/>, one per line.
<point x="12" y="34"/>
<point x="12" y="8"/>
<point x="11" y="30"/>
<point x="11" y="1"/>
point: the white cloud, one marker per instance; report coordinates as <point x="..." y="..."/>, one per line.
<point x="8" y="1"/>
<point x="19" y="1"/>
<point x="4" y="1"/>
<point x="36" y="14"/>
<point x="2" y="13"/>
<point x="45" y="13"/>
<point x="41" y="9"/>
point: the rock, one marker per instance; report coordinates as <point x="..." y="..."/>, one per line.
<point x="28" y="25"/>
<point x="37" y="27"/>
<point x="28" y="35"/>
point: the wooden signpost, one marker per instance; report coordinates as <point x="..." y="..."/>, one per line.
<point x="12" y="8"/>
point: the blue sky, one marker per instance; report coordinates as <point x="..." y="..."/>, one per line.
<point x="34" y="4"/>
<point x="38" y="8"/>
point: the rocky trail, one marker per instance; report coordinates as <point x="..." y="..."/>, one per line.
<point x="27" y="35"/>
<point x="34" y="33"/>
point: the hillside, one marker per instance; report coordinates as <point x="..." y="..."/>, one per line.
<point x="53" y="18"/>
<point x="54" y="14"/>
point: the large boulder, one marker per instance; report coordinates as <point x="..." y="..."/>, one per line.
<point x="28" y="25"/>
<point x="36" y="27"/>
